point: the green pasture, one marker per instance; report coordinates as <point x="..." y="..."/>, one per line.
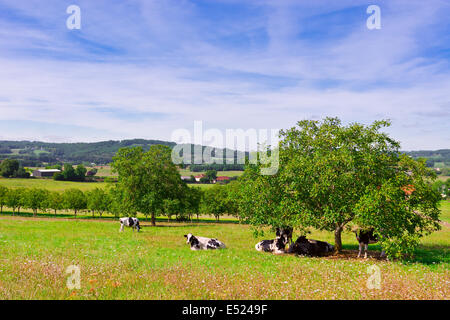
<point x="157" y="264"/>
<point x="50" y="184"/>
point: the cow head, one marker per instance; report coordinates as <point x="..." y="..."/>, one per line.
<point x="189" y="237"/>
<point x="285" y="232"/>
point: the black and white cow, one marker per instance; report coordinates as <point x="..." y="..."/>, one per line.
<point x="277" y="245"/>
<point x="129" y="222"/>
<point x="202" y="243"/>
<point x="366" y="237"/>
<point x="310" y="247"/>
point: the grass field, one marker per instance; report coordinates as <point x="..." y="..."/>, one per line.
<point x="157" y="264"/>
<point x="50" y="184"/>
<point x="445" y="211"/>
<point x="186" y="172"/>
<point x="53" y="185"/>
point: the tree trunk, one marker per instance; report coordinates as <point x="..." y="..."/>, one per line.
<point x="55" y="212"/>
<point x="153" y="219"/>
<point x="337" y="239"/>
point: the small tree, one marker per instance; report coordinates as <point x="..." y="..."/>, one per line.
<point x="75" y="200"/>
<point x="97" y="201"/>
<point x="15" y="199"/>
<point x="3" y="197"/>
<point x="35" y="199"/>
<point x="211" y="175"/>
<point x="55" y="201"/>
<point x="216" y="201"/>
<point x="191" y="201"/>
<point x="114" y="200"/>
<point x="9" y="167"/>
<point x="171" y="207"/>
<point x="69" y="172"/>
<point x="80" y="173"/>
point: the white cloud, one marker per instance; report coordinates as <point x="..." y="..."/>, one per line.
<point x="158" y="66"/>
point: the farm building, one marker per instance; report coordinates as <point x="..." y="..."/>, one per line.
<point x="197" y="178"/>
<point x="186" y="178"/>
<point x="45" y="173"/>
<point x="222" y="179"/>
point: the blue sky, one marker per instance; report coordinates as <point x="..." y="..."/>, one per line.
<point x="143" y="69"/>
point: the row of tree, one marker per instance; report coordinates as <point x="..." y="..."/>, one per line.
<point x="215" y="201"/>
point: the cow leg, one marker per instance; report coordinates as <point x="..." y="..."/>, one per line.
<point x="121" y="227"/>
<point x="360" y="249"/>
<point x="366" y="246"/>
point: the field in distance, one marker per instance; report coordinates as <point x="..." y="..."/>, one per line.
<point x="53" y="185"/>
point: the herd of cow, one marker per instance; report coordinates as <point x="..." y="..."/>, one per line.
<point x="302" y="246"/>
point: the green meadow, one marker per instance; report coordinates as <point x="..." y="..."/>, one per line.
<point x="156" y="263"/>
<point x="50" y="184"/>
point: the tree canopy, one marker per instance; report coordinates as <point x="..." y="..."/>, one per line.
<point x="331" y="175"/>
<point x="147" y="179"/>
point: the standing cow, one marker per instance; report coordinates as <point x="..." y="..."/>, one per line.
<point x="366" y="237"/>
<point x="129" y="222"/>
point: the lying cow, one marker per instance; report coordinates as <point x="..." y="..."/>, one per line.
<point x="310" y="247"/>
<point x="277" y="245"/>
<point x="366" y="237"/>
<point x="129" y="222"/>
<point x="202" y="243"/>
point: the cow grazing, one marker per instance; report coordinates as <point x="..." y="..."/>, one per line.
<point x="129" y="222"/>
<point x="310" y="247"/>
<point x="202" y="243"/>
<point x="277" y="245"/>
<point x="366" y="237"/>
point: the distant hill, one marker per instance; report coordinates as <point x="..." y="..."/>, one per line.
<point x="437" y="158"/>
<point x="35" y="153"/>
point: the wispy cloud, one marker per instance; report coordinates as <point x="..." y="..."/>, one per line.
<point x="146" y="68"/>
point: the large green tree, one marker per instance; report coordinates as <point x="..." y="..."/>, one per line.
<point x="331" y="175"/>
<point x="147" y="179"/>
